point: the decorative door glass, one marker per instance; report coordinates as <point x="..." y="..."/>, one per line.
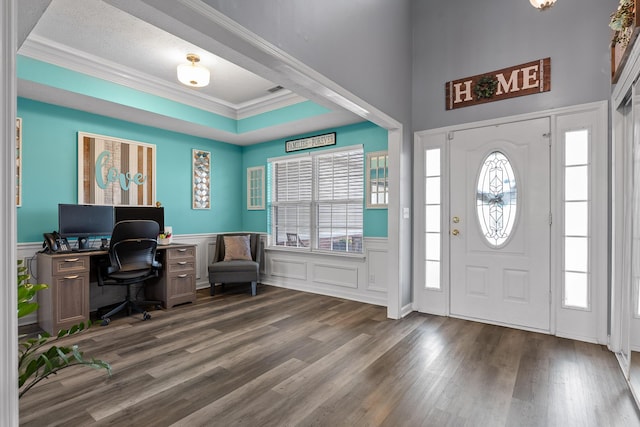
<point x="496" y="199"/>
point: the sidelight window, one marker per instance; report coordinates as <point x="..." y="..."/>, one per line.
<point x="576" y="219"/>
<point x="433" y="234"/>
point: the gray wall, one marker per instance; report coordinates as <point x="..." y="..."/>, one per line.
<point x="362" y="45"/>
<point x="461" y="38"/>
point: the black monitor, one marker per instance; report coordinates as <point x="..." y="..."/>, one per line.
<point x="124" y="213"/>
<point x="84" y="221"/>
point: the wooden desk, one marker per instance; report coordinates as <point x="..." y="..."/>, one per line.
<point x="66" y="301"/>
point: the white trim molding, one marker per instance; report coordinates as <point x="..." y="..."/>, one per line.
<point x="9" y="414"/>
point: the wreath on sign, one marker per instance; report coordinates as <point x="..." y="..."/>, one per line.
<point x="486" y="87"/>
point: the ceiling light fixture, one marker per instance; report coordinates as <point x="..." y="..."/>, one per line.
<point x="193" y="74"/>
<point x="542" y="4"/>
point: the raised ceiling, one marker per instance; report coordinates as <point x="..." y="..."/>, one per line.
<point x="98" y="39"/>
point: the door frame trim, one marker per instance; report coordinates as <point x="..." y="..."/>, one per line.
<point x="438" y="301"/>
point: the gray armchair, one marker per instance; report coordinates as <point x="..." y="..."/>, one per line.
<point x="239" y="262"/>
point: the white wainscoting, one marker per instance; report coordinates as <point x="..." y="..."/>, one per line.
<point x="357" y="278"/>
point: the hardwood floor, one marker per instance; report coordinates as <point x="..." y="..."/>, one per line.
<point x="287" y="358"/>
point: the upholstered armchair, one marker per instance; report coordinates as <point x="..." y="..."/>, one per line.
<point x="236" y="259"/>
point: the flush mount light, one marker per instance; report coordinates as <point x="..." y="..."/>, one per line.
<point x="193" y="74"/>
<point x="542" y="4"/>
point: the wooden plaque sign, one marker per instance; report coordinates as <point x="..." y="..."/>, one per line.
<point x="525" y="79"/>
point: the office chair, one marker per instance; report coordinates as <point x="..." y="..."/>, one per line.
<point x="132" y="260"/>
<point x="228" y="267"/>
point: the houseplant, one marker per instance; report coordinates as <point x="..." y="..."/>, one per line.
<point x="36" y="361"/>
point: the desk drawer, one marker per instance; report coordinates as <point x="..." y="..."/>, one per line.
<point x="178" y="266"/>
<point x="70" y="264"/>
<point x="181" y="253"/>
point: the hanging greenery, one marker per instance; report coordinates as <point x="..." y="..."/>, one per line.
<point x="622" y="21"/>
<point x="486" y="87"/>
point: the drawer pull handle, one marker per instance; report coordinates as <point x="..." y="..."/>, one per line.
<point x="71" y="259"/>
<point x="182" y="276"/>
<point x="182" y="263"/>
<point x="71" y="277"/>
<point x="182" y="250"/>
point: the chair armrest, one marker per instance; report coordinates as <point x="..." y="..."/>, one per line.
<point x="259" y="251"/>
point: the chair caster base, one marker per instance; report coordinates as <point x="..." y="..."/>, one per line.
<point x="105" y="322"/>
<point x="146" y="316"/>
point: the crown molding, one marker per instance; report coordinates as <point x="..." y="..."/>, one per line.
<point x="46" y="50"/>
<point x="268" y="103"/>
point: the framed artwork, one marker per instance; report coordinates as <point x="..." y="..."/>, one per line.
<point x="18" y="162"/>
<point x="377" y="180"/>
<point x="201" y="174"/>
<point x="255" y="188"/>
<point x="114" y="171"/>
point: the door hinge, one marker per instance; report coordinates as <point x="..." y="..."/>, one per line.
<point x="550" y="218"/>
<point x="548" y="136"/>
<point x="450" y="136"/>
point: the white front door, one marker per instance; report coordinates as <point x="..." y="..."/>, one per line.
<point x="500" y="224"/>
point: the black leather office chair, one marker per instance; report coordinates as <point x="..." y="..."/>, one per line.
<point x="132" y="260"/>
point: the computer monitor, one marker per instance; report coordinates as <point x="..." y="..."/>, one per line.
<point x="84" y="221"/>
<point x="124" y="213"/>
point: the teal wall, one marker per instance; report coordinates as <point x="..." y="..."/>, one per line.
<point x="50" y="172"/>
<point x="372" y="137"/>
<point x="40" y="72"/>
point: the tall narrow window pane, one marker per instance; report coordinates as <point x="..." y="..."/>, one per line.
<point x="577" y="253"/>
<point x="576" y="183"/>
<point x="432" y="209"/>
<point x="576" y="291"/>
<point x="377" y="179"/>
<point x="577" y="198"/>
<point x="578" y="225"/>
<point x="577" y="148"/>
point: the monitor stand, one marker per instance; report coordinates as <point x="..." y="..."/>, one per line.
<point x="83" y="243"/>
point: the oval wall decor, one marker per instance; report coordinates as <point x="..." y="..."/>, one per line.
<point x="496" y="199"/>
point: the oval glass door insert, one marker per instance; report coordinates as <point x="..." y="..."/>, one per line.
<point x="496" y="199"/>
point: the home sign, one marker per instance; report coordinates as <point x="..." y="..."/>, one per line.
<point x="519" y="80"/>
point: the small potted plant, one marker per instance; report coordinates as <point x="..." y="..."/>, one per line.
<point x="164" y="238"/>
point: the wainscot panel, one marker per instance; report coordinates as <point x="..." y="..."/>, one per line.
<point x="338" y="275"/>
<point x="287" y="268"/>
<point x="356" y="278"/>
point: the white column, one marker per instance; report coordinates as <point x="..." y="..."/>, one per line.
<point x="8" y="285"/>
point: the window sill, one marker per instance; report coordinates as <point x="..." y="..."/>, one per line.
<point x="306" y="251"/>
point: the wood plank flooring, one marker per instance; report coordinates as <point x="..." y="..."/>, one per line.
<point x="287" y="358"/>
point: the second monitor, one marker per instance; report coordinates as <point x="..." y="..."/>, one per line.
<point x="124" y="213"/>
